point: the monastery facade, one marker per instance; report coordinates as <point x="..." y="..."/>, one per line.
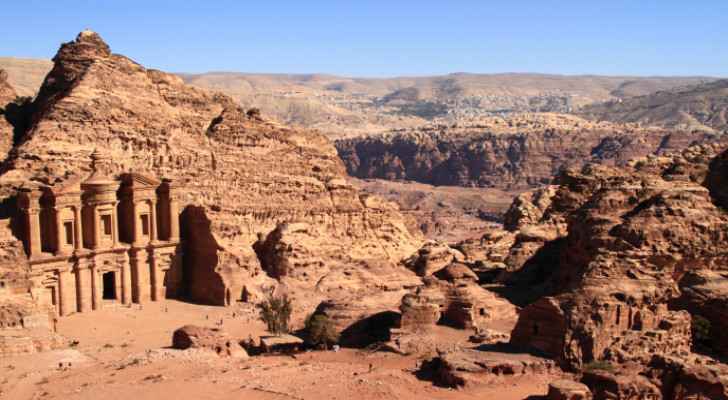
<point x="102" y="240"/>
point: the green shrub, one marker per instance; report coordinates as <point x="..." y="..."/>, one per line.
<point x="321" y="331"/>
<point x="598" y="365"/>
<point x="701" y="330"/>
<point x="276" y="311"/>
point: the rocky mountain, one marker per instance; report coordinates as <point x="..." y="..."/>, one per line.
<point x="640" y="259"/>
<point x="343" y="106"/>
<point x="25" y="74"/>
<point x="7" y="96"/>
<point x="516" y="152"/>
<point x="622" y="274"/>
<point x="241" y="178"/>
<point x="699" y="107"/>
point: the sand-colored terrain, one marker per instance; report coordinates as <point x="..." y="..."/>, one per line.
<point x="122" y="353"/>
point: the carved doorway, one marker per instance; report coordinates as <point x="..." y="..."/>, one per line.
<point x="109" y="281"/>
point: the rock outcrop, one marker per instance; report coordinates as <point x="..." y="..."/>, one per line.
<point x="633" y="235"/>
<point x="239" y="176"/>
<point x="522" y="152"/>
<point x="468" y="367"/>
<point x="564" y="389"/>
<point x="209" y="339"/>
<point x="7" y="96"/>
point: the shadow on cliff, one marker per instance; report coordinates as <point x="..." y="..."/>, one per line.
<point x="19" y="113"/>
<point x="717" y="180"/>
<point x="199" y="281"/>
<point x="372" y="329"/>
<point x="537" y="278"/>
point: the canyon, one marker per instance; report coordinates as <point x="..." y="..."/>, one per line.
<point x="563" y="238"/>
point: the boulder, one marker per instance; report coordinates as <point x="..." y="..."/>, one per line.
<point x="210" y="339"/>
<point x="564" y="389"/>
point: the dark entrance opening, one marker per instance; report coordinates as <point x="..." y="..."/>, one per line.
<point x="109" y="286"/>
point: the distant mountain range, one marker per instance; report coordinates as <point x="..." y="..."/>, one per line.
<point x="344" y="107"/>
<point x="701" y="107"/>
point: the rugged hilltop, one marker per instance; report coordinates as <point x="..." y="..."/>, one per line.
<point x="516" y="152"/>
<point x="701" y="107"/>
<point x="240" y="177"/>
<point x="345" y="106"/>
<point x="7" y="96"/>
<point x="634" y="261"/>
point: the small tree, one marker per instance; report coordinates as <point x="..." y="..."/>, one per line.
<point x="276" y="311"/>
<point x="701" y="330"/>
<point x="321" y="330"/>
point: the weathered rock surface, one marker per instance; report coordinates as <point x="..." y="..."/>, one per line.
<point x="240" y="176"/>
<point x="518" y="153"/>
<point x="564" y="389"/>
<point x="463" y="305"/>
<point x="636" y="237"/>
<point x="704" y="294"/>
<point x="467" y="367"/>
<point x="432" y="257"/>
<point x="7" y="95"/>
<point x="212" y="339"/>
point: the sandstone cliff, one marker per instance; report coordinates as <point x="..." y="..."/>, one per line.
<point x="635" y="238"/>
<point x="7" y="95"/>
<point x="513" y="153"/>
<point x="239" y="175"/>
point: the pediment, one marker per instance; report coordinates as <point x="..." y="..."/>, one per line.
<point x="137" y="180"/>
<point x="72" y="186"/>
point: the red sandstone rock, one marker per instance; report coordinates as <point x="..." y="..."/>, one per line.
<point x="632" y="234"/>
<point x="7" y="95"/>
<point x="239" y="176"/>
<point x="564" y="389"/>
<point x="466" y="367"/>
<point x="212" y="339"/>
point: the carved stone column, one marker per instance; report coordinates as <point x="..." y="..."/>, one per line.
<point x="59" y="231"/>
<point x="97" y="290"/>
<point x="115" y="224"/>
<point x="140" y="276"/>
<point x="135" y="228"/>
<point x="154" y="281"/>
<point x="97" y="228"/>
<point x="67" y="294"/>
<point x="83" y="288"/>
<point x="153" y="221"/>
<point x="78" y="228"/>
<point x="126" y="283"/>
<point x="173" y="219"/>
<point x="34" y="243"/>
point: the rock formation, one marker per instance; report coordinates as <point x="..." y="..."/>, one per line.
<point x="564" y="389"/>
<point x="521" y="152"/>
<point x="466" y="367"/>
<point x="642" y="245"/>
<point x="239" y="176"/>
<point x="7" y="95"/>
<point x="209" y="339"/>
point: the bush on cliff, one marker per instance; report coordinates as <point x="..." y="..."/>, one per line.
<point x="321" y="331"/>
<point x="276" y="311"/>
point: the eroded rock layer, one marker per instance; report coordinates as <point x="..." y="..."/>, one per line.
<point x="239" y="176"/>
<point x="639" y="253"/>
<point x="519" y="152"/>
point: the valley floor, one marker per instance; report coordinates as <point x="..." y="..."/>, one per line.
<point x="123" y="353"/>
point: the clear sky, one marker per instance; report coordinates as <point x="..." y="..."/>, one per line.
<point x="386" y="38"/>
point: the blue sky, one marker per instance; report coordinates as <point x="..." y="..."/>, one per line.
<point x="386" y="38"/>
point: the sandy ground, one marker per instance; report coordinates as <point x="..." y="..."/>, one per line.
<point x="121" y="354"/>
